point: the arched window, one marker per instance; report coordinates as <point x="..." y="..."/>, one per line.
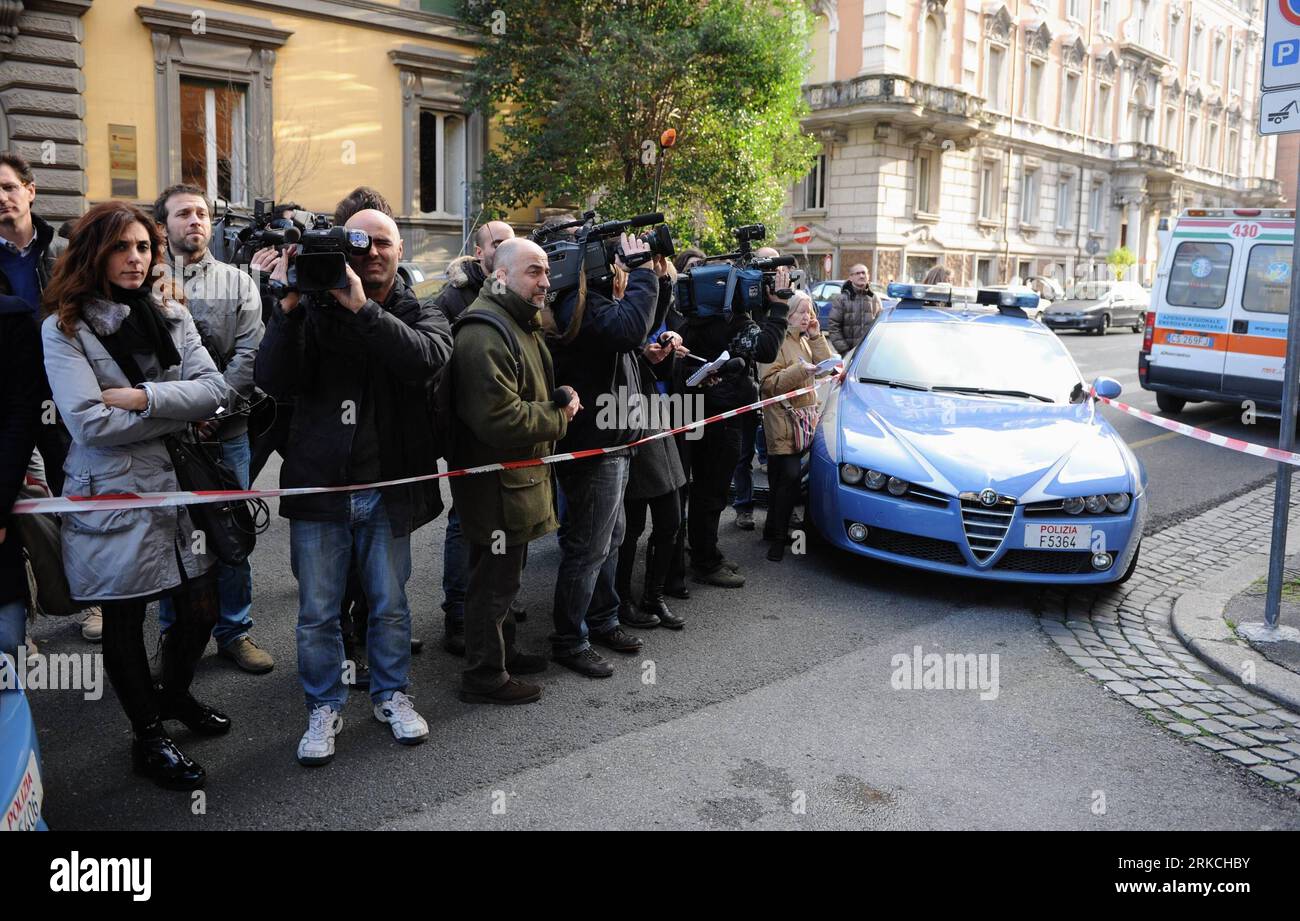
<point x="930" y="50"/>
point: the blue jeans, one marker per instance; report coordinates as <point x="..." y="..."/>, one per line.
<point x="234" y="583"/>
<point x="319" y="552"/>
<point x="13" y="627"/>
<point x="743" y="479"/>
<point x="455" y="570"/>
<point x="586" y="601"/>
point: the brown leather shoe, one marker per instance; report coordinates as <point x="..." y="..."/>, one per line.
<point x="513" y="691"/>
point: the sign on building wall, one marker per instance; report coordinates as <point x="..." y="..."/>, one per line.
<point x="122" y="166"/>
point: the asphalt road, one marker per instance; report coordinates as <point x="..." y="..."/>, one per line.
<point x="1186" y="476"/>
<point x="773" y="709"/>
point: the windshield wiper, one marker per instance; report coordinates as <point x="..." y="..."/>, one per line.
<point x="1024" y="394"/>
<point x="887" y="383"/>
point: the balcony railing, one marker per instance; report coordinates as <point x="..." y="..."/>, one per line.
<point x="1150" y="156"/>
<point x="887" y="90"/>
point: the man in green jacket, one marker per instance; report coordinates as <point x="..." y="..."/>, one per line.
<point x="504" y="413"/>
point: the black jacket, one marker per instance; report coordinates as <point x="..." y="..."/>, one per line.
<point x="22" y="388"/>
<point x="756" y="340"/>
<point x="324" y="355"/>
<point x="602" y="362"/>
<point x="465" y="279"/>
<point x="46" y="253"/>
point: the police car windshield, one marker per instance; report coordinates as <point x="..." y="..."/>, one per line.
<point x="967" y="356"/>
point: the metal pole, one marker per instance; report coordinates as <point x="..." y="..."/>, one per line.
<point x="1285" y="441"/>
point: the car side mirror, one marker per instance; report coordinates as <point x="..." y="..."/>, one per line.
<point x="1107" y="387"/>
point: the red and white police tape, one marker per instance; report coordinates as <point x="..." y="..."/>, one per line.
<point x="110" y="502"/>
<point x="1223" y="441"/>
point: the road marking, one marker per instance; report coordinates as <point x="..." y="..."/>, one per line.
<point x="1168" y="435"/>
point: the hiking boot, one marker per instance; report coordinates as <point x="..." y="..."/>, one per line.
<point x="248" y="656"/>
<point x="512" y="692"/>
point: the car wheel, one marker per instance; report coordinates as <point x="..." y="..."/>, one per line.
<point x="1132" y="565"/>
<point x="1104" y="328"/>
<point x="1169" y="403"/>
<point x="1139" y="321"/>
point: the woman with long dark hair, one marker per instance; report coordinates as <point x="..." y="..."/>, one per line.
<point x="127" y="368"/>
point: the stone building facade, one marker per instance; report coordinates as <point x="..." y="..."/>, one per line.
<point x="42" y="109"/>
<point x="1010" y="138"/>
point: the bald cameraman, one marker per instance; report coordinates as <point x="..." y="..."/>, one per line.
<point x="360" y="361"/>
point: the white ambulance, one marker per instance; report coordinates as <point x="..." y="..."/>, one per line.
<point x="1216" y="329"/>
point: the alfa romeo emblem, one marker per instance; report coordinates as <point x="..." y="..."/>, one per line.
<point x="988" y="498"/>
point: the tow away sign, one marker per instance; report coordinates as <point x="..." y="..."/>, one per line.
<point x="1279" y="103"/>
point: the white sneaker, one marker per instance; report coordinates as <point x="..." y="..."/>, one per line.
<point x="408" y="727"/>
<point x="317" y="745"/>
<point x="92" y="625"/>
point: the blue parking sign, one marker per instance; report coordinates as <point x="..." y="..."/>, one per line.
<point x="1286" y="53"/>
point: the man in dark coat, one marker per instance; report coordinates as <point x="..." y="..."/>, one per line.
<point x="465" y="277"/>
<point x="360" y="362"/>
<point x="22" y="388"/>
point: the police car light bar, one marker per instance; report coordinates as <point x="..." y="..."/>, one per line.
<point x="917" y="295"/>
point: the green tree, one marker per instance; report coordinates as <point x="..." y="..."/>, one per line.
<point x="1120" y="260"/>
<point x="581" y="91"/>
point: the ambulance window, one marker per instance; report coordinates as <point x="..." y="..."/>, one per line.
<point x="1199" y="276"/>
<point x="1268" y="278"/>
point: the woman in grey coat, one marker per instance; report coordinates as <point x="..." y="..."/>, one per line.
<point x="110" y="296"/>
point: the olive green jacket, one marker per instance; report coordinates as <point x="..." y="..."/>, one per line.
<point x="500" y="417"/>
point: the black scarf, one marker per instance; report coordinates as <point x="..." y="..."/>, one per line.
<point x="144" y="330"/>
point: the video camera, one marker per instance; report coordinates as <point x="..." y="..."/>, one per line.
<point x="321" y="263"/>
<point x="583" y="245"/>
<point x="739" y="282"/>
<point x="237" y="233"/>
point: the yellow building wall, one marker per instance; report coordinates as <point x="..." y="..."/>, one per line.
<point x="333" y="84"/>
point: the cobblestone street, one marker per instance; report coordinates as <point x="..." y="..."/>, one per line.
<point x="1123" y="639"/>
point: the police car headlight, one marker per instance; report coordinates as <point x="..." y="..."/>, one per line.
<point x="1118" y="502"/>
<point x="876" y="479"/>
<point x="1073" y="505"/>
<point x="897" y="487"/>
<point x="851" y="474"/>
<point x="1095" y="504"/>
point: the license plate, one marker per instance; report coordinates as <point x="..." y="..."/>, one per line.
<point x="24" y="810"/>
<point x="1058" y="536"/>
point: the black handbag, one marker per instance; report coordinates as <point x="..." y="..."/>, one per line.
<point x="228" y="527"/>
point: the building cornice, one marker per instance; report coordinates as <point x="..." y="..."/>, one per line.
<point x="67" y="7"/>
<point x="217" y="24"/>
<point x="375" y="15"/>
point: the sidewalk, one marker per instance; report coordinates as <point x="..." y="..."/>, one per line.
<point x="1160" y="641"/>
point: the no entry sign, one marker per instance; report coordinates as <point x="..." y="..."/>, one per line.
<point x="802" y="234"/>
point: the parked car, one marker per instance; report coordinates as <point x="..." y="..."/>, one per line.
<point x="964" y="441"/>
<point x="1096" y="306"/>
<point x="21" y="791"/>
<point x="823" y="291"/>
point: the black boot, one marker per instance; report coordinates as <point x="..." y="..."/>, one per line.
<point x="630" y="616"/>
<point x="156" y="756"/>
<point x="198" y="718"/>
<point x="657" y="564"/>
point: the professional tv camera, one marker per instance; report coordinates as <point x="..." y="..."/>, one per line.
<point x="321" y="262"/>
<point x="583" y="245"/>
<point x="738" y="282"/>
<point x="237" y="233"/>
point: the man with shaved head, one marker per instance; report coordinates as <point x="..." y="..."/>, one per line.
<point x="465" y="277"/>
<point x="359" y="362"/>
<point x="507" y="408"/>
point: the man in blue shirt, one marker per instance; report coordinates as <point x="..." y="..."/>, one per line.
<point x="26" y="250"/>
